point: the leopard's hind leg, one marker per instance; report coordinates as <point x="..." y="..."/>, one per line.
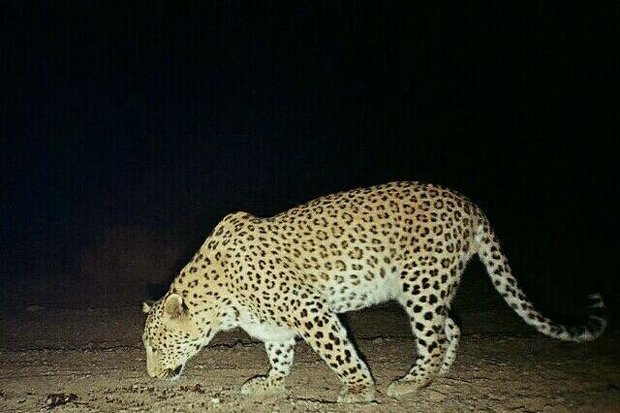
<point x="426" y="301"/>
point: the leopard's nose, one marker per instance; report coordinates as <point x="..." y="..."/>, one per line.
<point x="173" y="373"/>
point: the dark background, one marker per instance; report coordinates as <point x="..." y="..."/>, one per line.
<point x="128" y="124"/>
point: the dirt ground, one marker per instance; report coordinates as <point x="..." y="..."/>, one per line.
<point x="92" y="360"/>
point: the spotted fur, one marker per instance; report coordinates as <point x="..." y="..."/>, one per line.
<point x="290" y="275"/>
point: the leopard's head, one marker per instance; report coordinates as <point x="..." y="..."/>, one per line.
<point x="171" y="337"/>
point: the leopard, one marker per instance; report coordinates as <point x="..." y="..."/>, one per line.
<point x="286" y="278"/>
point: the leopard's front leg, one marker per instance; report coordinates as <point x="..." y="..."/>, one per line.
<point x="325" y="334"/>
<point x="281" y="358"/>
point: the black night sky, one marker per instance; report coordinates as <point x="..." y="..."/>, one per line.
<point x="163" y="117"/>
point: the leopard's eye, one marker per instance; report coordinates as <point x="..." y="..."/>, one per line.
<point x="150" y="347"/>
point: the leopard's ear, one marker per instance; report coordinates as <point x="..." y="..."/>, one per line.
<point x="174" y="306"/>
<point x="147" y="306"/>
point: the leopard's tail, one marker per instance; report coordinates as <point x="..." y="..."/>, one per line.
<point x="495" y="261"/>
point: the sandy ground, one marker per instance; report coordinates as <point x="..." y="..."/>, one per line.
<point x="94" y="360"/>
